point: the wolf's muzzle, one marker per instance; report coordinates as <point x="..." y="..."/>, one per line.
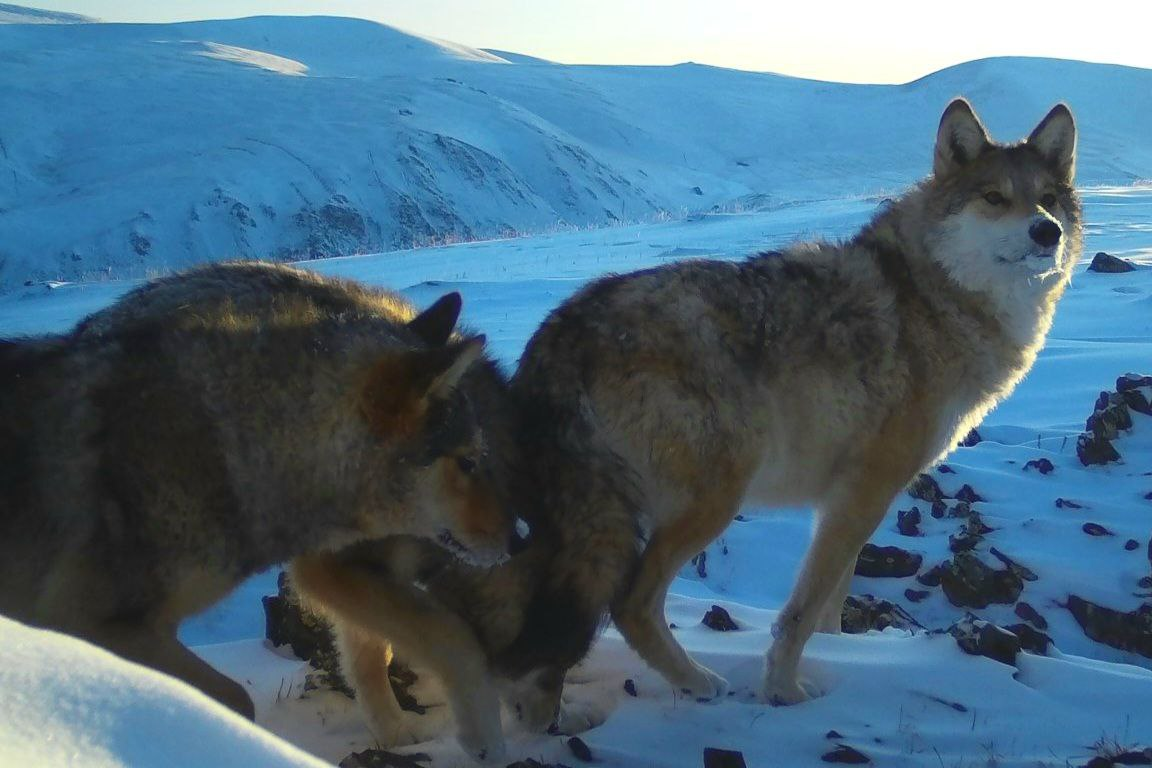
<point x="1045" y="233"/>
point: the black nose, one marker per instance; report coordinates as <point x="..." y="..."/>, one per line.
<point x="1045" y="233"/>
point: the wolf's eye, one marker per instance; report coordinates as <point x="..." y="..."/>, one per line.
<point x="993" y="197"/>
<point x="1048" y="200"/>
<point x="465" y="464"/>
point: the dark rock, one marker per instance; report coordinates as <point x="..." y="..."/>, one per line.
<point x="926" y="488"/>
<point x="1130" y="631"/>
<point x="931" y="577"/>
<point x="382" y="758"/>
<point x="1028" y="613"/>
<point x="970" y="534"/>
<point x="971" y="439"/>
<point x="1020" y="570"/>
<point x="1133" y="757"/>
<point x="833" y="735"/>
<point x="1107" y="263"/>
<point x="1145" y="582"/>
<point x="1043" y="466"/>
<point x="287" y="622"/>
<point x="1031" y="639"/>
<point x="1095" y="529"/>
<point x="723" y="758"/>
<point x="846" y="754"/>
<point x="1131" y="545"/>
<point x="969" y="583"/>
<point x="966" y="493"/>
<point x="960" y="509"/>
<point x="1109" y="419"/>
<point x="908" y="521"/>
<point x="944" y="469"/>
<point x="939" y="508"/>
<point x="719" y="619"/>
<point x="579" y="749"/>
<point x="701" y="563"/>
<point x="864" y="612"/>
<point x="1136" y="391"/>
<point x="1067" y="504"/>
<point x="915" y="595"/>
<point x="1095" y="450"/>
<point x="630" y="687"/>
<point x="983" y="638"/>
<point x="890" y="562"/>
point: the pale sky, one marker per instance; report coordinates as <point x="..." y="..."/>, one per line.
<point x="857" y="41"/>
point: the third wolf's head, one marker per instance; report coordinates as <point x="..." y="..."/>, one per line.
<point x="438" y="408"/>
<point x="1003" y="219"/>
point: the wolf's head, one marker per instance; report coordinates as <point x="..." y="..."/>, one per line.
<point x="439" y="407"/>
<point x="1003" y="218"/>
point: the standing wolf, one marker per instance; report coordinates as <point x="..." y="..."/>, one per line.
<point x="653" y="404"/>
<point x="214" y="423"/>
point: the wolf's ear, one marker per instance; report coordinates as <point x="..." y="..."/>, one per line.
<point x="398" y="389"/>
<point x="960" y="139"/>
<point x="435" y="324"/>
<point x="1055" y="138"/>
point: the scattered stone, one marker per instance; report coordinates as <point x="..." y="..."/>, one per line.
<point x="1136" y="391"/>
<point x="970" y="534"/>
<point x="939" y="508"/>
<point x="579" y="749"/>
<point x="1043" y="466"/>
<point x="833" y="735"/>
<point x="1107" y="263"/>
<point x="1110" y="417"/>
<point x="926" y="488"/>
<point x="1130" y="631"/>
<point x="630" y="687"/>
<point x="1020" y="570"/>
<point x="723" y="758"/>
<point x="382" y="758"/>
<point x="960" y="509"/>
<point x="1095" y="450"/>
<point x="1131" y="545"/>
<point x="887" y="562"/>
<point x="971" y="439"/>
<point x="1066" y="504"/>
<point x="864" y="612"/>
<point x="846" y="754"/>
<point x="983" y="638"/>
<point x="969" y="583"/>
<point x="1028" y="613"/>
<point x="944" y="469"/>
<point x="931" y="577"/>
<point x="701" y="563"/>
<point x="908" y="522"/>
<point x="1095" y="529"/>
<point x="966" y="493"/>
<point x="916" y="595"/>
<point x="719" y="619"/>
<point x="1031" y="639"/>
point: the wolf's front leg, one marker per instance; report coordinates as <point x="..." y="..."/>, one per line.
<point x="842" y="529"/>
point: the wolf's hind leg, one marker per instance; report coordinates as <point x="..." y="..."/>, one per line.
<point x="842" y="529"/>
<point x="159" y="649"/>
<point x="423" y="631"/>
<point x="639" y="612"/>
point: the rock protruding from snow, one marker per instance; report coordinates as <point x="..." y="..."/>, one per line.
<point x="1106" y="262"/>
<point x="1131" y="631"/>
<point x="862" y="613"/>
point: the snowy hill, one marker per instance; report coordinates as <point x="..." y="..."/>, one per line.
<point x="18" y="14"/>
<point x="129" y="150"/>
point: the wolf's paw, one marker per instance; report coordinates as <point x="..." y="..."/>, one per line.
<point x="578" y="716"/>
<point x="786" y="693"/>
<point x="405" y="728"/>
<point x="483" y="741"/>
<point x="704" y="686"/>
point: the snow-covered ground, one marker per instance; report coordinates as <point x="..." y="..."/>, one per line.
<point x="132" y="149"/>
<point x="128" y="150"/>
<point x="904" y="699"/>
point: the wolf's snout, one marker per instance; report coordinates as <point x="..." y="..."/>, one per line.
<point x="1046" y="233"/>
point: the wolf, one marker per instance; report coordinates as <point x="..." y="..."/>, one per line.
<point x="651" y="405"/>
<point x="214" y="423"/>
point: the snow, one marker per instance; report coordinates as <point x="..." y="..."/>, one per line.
<point x="288" y="108"/>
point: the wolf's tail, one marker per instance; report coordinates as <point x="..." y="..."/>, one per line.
<point x="587" y="506"/>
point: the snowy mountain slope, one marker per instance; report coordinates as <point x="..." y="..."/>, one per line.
<point x="19" y="14"/>
<point x="902" y="699"/>
<point x="128" y="150"/>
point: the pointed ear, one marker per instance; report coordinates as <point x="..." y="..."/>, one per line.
<point x="960" y="139"/>
<point x="398" y="389"/>
<point x="1055" y="138"/>
<point x="435" y="324"/>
